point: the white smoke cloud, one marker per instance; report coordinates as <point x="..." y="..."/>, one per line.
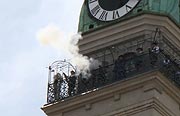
<point x="52" y="36"/>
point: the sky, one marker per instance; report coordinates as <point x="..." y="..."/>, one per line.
<point x="24" y="60"/>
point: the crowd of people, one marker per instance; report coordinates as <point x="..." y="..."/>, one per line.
<point x="59" y="79"/>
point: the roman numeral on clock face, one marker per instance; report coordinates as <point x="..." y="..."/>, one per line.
<point x="92" y="1"/>
<point x="128" y="8"/>
<point x="116" y="14"/>
<point x="103" y="15"/>
<point x="95" y="10"/>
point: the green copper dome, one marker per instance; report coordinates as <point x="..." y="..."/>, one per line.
<point x="165" y="7"/>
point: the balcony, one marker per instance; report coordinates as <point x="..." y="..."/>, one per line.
<point x="131" y="65"/>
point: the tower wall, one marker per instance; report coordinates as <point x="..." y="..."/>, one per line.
<point x="144" y="94"/>
<point x="139" y="27"/>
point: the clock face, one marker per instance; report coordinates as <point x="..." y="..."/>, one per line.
<point x="109" y="10"/>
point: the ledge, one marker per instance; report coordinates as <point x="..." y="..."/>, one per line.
<point x="130" y="29"/>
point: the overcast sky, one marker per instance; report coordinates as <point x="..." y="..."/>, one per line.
<point x="23" y="61"/>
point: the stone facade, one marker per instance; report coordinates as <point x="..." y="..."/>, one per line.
<point x="128" y="30"/>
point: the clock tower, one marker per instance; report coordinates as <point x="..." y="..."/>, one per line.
<point x="137" y="43"/>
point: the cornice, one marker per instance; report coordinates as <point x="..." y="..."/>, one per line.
<point x="129" y="29"/>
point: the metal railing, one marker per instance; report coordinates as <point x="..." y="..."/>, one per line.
<point x="131" y="65"/>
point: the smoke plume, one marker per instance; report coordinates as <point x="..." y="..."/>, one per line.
<point x="54" y="37"/>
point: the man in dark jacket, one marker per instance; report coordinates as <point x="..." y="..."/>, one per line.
<point x="71" y="80"/>
<point x="119" y="68"/>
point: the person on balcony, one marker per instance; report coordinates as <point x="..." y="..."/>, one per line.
<point x="94" y="77"/>
<point x="71" y="80"/>
<point x="177" y="77"/>
<point x="153" y="52"/>
<point x="166" y="62"/>
<point x="57" y="85"/>
<point x="119" y="68"/>
<point x="101" y="74"/>
<point x="167" y="65"/>
<point x="139" y="58"/>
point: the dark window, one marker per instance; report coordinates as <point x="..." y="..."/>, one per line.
<point x="139" y="10"/>
<point x="91" y="26"/>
